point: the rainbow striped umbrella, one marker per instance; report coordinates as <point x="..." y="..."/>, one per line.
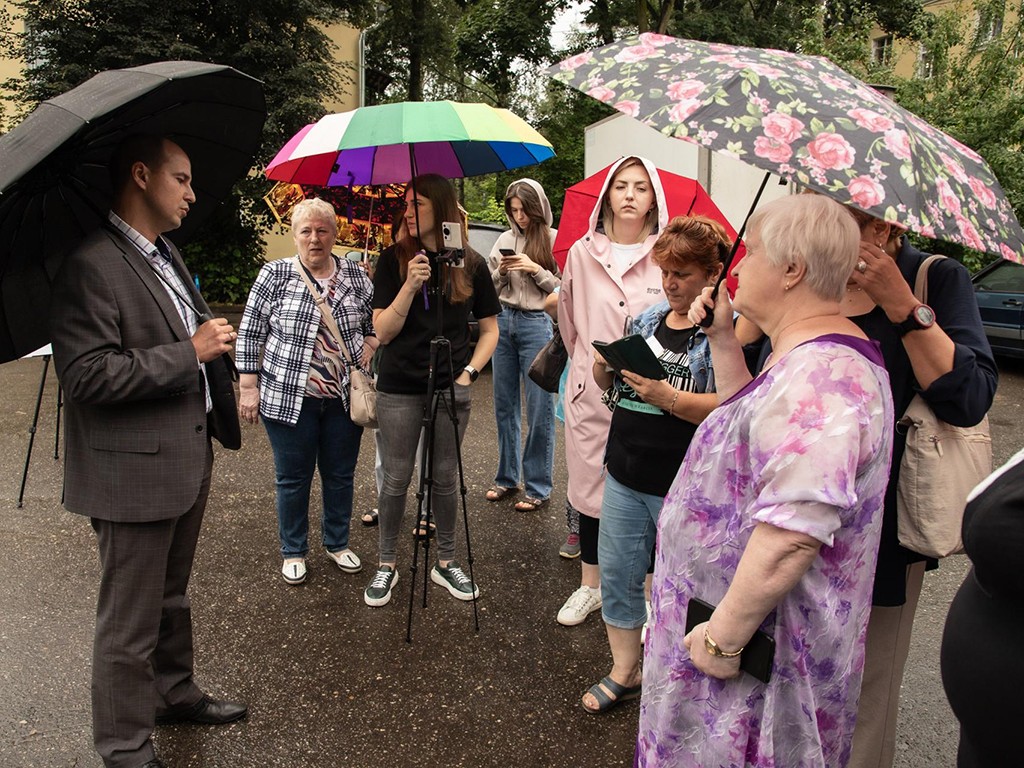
<point x="391" y="143"/>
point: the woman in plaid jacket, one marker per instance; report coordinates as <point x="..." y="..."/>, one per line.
<point x="300" y="386"/>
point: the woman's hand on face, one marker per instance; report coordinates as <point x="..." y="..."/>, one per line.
<point x="712" y="666"/>
<point x="877" y="274"/>
<point x="418" y="271"/>
<point x="249" y="404"/>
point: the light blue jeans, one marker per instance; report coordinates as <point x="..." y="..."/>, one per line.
<point x="521" y="334"/>
<point x="629" y="525"/>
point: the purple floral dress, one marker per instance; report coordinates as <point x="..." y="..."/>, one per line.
<point x="804" y="447"/>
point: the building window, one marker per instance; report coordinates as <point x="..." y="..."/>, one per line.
<point x="925" y="63"/>
<point x="881" y="50"/>
<point x="989" y="24"/>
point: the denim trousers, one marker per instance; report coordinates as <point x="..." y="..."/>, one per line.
<point x="399" y="420"/>
<point x="323" y="436"/>
<point x="629" y="525"/>
<point x="521" y="334"/>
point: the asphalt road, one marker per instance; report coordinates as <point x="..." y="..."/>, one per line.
<point x="329" y="680"/>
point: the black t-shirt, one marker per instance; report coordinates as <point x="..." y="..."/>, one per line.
<point x="646" y="445"/>
<point x="405" y="360"/>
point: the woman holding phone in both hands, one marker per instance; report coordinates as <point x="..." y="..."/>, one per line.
<point x="524" y="274"/>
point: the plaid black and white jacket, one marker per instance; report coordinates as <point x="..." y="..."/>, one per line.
<point x="281" y="321"/>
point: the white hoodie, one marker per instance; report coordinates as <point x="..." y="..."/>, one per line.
<point x="515" y="288"/>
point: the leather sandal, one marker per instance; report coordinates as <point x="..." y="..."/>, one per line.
<point x="606" y="702"/>
<point x="499" y="492"/>
<point x="370" y="519"/>
<point x="530" y="504"/>
<point x="419" y="531"/>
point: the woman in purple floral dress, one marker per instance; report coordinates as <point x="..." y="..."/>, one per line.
<point x="774" y="516"/>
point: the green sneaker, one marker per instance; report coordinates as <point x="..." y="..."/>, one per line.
<point x="454" y="579"/>
<point x="379" y="591"/>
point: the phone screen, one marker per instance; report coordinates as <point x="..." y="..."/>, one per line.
<point x="506" y="252"/>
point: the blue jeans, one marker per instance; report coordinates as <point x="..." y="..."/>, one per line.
<point x="521" y="334"/>
<point x="400" y="421"/>
<point x="324" y="436"/>
<point x="629" y="525"/>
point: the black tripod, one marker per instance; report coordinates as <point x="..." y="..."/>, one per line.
<point x="35" y="424"/>
<point x="440" y="353"/>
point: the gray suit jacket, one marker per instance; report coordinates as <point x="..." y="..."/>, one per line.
<point x="136" y="439"/>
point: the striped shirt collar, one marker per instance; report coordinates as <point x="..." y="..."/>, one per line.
<point x="140" y="241"/>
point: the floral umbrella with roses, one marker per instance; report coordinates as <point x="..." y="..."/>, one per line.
<point x="807" y="120"/>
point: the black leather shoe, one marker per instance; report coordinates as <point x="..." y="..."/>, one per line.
<point x="154" y="763"/>
<point x="207" y="711"/>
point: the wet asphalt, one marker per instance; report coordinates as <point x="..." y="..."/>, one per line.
<point x="329" y="680"/>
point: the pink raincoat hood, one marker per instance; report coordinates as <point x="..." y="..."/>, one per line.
<point x="598" y="238"/>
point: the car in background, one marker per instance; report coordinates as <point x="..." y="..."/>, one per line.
<point x="999" y="289"/>
<point x="482" y="238"/>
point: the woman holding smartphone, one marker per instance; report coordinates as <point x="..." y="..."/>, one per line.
<point x="524" y="274"/>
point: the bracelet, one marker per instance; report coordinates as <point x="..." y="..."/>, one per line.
<point x="672" y="405"/>
<point x="397" y="312"/>
<point x="712" y="648"/>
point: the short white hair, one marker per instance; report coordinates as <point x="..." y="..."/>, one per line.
<point x="315" y="209"/>
<point x="812" y="231"/>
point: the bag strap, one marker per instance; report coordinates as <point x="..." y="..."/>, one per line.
<point x="921" y="283"/>
<point x="321" y="303"/>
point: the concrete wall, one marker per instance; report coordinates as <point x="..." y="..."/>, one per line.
<point x="731" y="183"/>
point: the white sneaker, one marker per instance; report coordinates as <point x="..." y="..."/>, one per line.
<point x="581" y="603"/>
<point x="294" y="570"/>
<point x="347" y="560"/>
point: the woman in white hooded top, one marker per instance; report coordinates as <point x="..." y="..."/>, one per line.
<point x="609" y="276"/>
<point x="524" y="274"/>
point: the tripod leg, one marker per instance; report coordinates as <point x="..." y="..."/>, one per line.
<point x="465" y="515"/>
<point x="32" y="430"/>
<point x="56" y="439"/>
<point x="424" y="490"/>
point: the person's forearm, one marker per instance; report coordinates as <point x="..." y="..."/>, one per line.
<point x="388" y="322"/>
<point x="248" y="381"/>
<point x="931" y="354"/>
<point x="694" y="407"/>
<point x="772" y="563"/>
<point x="486" y="343"/>
<point x="602" y="375"/>
<point x="731" y="373"/>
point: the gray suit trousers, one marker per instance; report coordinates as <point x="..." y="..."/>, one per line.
<point x="142" y="658"/>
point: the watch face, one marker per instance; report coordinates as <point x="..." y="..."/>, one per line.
<point x="924" y="315"/>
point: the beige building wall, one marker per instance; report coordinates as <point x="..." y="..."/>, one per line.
<point x="346" y="55"/>
<point x="910" y="60"/>
<point x="9" y="67"/>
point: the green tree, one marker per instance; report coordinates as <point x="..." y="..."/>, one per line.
<point x="976" y="93"/>
<point x="281" y="43"/>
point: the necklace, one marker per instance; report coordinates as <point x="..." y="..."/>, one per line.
<point x="853" y="288"/>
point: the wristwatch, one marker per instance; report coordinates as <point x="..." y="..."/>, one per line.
<point x="473" y="372"/>
<point x="922" y="316"/>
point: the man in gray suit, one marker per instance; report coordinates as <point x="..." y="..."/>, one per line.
<point x="147" y="384"/>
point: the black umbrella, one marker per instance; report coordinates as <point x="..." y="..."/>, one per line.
<point x="53" y="169"/>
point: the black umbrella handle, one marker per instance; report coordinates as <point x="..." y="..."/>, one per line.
<point x="709" y="317"/>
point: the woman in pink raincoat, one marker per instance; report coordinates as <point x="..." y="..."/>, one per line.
<point x="608" y="277"/>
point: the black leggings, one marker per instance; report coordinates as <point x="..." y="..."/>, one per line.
<point x="590" y="529"/>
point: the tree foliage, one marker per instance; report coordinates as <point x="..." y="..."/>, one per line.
<point x="976" y="94"/>
<point x="281" y="42"/>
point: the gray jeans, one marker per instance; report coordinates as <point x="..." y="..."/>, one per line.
<point x="400" y="418"/>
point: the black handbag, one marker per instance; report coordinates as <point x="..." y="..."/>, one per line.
<point x="546" y="368"/>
